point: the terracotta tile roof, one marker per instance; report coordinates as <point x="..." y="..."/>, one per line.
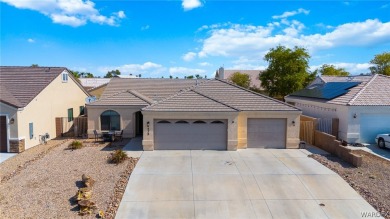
<point x="253" y="74"/>
<point x="189" y="101"/>
<point x="20" y="85"/>
<point x="125" y="98"/>
<point x="155" y="89"/>
<point x="241" y="98"/>
<point x="188" y="95"/>
<point x="376" y="92"/>
<point x="372" y="91"/>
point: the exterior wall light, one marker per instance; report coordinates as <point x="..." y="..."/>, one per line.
<point x="293" y="122"/>
<point x="12" y="121"/>
<point x="147" y="125"/>
<point x="354" y="116"/>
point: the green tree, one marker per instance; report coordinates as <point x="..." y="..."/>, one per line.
<point x="112" y="73"/>
<point x="288" y="71"/>
<point x="331" y="70"/>
<point x="89" y="75"/>
<point x="381" y="64"/>
<point x="241" y="79"/>
<point x="34" y="65"/>
<point x="75" y="74"/>
<point x="189" y="77"/>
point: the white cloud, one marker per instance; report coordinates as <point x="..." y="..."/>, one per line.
<point x="239" y="40"/>
<point x="69" y="12"/>
<point x="30" y="40"/>
<point x="146" y="27"/>
<point x="353" y="68"/>
<point x="291" y="13"/>
<point x="183" y="71"/>
<point x="191" y="4"/>
<point x="204" y="64"/>
<point x="385" y="6"/>
<point x="189" y="56"/>
<point x="147" y="68"/>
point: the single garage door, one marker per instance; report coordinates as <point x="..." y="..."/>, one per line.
<point x="3" y="134"/>
<point x="266" y="133"/>
<point x="190" y="135"/>
<point x="373" y="124"/>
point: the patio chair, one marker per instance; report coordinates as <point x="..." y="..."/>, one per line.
<point x="119" y="135"/>
<point x="97" y="135"/>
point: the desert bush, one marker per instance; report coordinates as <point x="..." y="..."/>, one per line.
<point x="118" y="156"/>
<point x="75" y="145"/>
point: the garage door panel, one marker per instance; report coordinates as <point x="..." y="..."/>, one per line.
<point x="190" y="136"/>
<point x="266" y="133"/>
<point x="373" y="124"/>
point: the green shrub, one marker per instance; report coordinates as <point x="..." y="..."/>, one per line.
<point x="118" y="156"/>
<point x="75" y="145"/>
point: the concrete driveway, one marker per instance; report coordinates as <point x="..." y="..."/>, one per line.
<point x="5" y="156"/>
<point x="250" y="183"/>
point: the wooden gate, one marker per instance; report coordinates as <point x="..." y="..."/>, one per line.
<point x="306" y="132"/>
<point x="76" y="128"/>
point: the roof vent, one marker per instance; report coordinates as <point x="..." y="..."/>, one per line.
<point x="47" y="70"/>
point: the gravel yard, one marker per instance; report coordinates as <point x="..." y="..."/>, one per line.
<point x="41" y="183"/>
<point x="371" y="180"/>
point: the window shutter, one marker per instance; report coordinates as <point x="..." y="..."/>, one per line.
<point x="31" y="130"/>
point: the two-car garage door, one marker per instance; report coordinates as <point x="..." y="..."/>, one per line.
<point x="266" y="133"/>
<point x="190" y="135"/>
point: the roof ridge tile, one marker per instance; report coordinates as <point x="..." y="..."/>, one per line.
<point x="362" y="90"/>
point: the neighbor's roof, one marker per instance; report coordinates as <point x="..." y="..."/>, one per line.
<point x="188" y="95"/>
<point x="372" y="91"/>
<point x="253" y="74"/>
<point x="90" y="83"/>
<point x="20" y="85"/>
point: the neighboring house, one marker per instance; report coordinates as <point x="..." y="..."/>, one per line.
<point x="90" y="83"/>
<point x="94" y="86"/>
<point x="253" y="74"/>
<point x="361" y="103"/>
<point x="30" y="100"/>
<point x="194" y="114"/>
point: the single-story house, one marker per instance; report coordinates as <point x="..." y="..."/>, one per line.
<point x="31" y="98"/>
<point x="361" y="103"/>
<point x="194" y="114"/>
<point x="225" y="74"/>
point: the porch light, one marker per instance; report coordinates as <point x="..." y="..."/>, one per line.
<point x="12" y="121"/>
<point x="354" y="116"/>
<point x="293" y="122"/>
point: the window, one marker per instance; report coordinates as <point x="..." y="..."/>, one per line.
<point x="81" y="110"/>
<point x="110" y="120"/>
<point x="31" y="130"/>
<point x="70" y="114"/>
<point x="181" y="121"/>
<point x="199" y="122"/>
<point x="216" y="122"/>
<point x="64" y="77"/>
<point x="163" y="121"/>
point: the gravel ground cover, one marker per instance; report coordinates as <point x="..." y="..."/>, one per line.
<point x="371" y="180"/>
<point x="46" y="186"/>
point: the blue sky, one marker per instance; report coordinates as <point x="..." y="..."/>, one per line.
<point x="178" y="38"/>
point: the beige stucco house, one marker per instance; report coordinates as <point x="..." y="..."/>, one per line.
<point x="31" y="98"/>
<point x="194" y="114"/>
